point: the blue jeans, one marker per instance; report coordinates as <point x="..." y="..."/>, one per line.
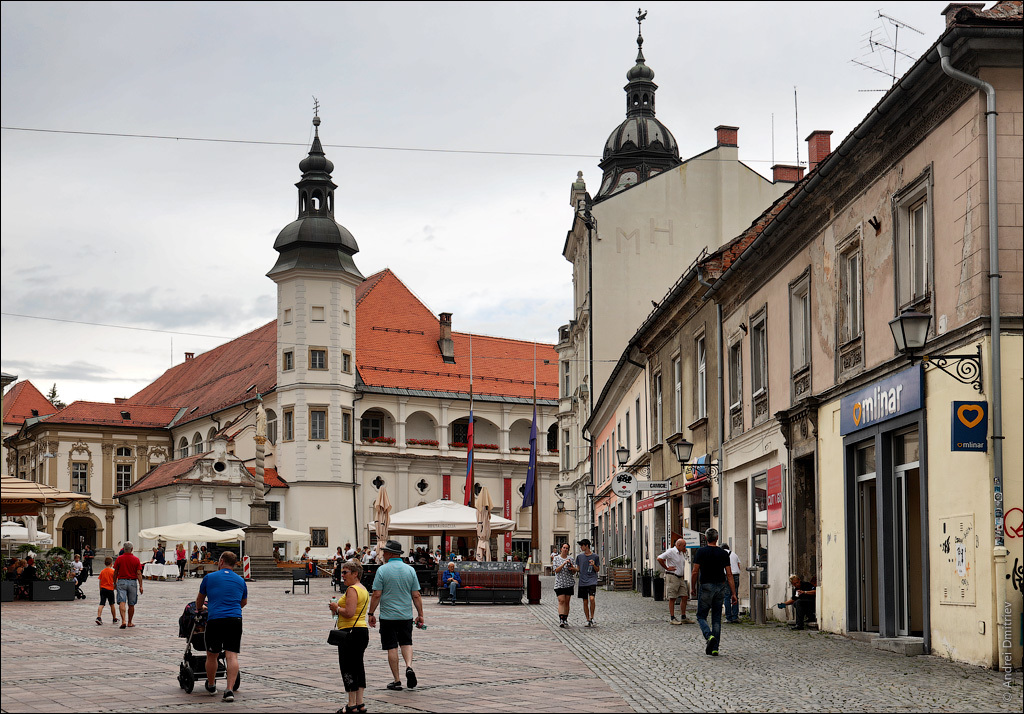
<point x="452" y="585"/>
<point x="732" y="612"/>
<point x="711" y="597"/>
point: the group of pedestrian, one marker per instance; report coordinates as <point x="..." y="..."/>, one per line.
<point x="585" y="566"/>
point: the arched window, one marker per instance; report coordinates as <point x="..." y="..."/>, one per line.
<point x="197" y="444"/>
<point x="124" y="451"/>
<point x="553" y="438"/>
<point x="183" y="448"/>
<point x="318" y="200"/>
<point x="209" y="436"/>
<point x="271" y="426"/>
<point x="302" y="202"/>
<point x="646" y="100"/>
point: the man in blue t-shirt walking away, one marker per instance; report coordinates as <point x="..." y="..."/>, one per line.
<point x="226" y="594"/>
<point x="712" y="569"/>
<point x="396" y="588"/>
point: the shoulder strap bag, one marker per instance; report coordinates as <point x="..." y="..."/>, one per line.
<point x="340" y="637"/>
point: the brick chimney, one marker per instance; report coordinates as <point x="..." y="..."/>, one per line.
<point x="954" y="7"/>
<point x="819" y="145"/>
<point x="727" y="135"/>
<point x="445" y="342"/>
<point x="782" y="173"/>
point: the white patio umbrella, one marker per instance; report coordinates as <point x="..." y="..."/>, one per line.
<point x="13" y="532"/>
<point x="182" y="532"/>
<point x="442" y="516"/>
<point x="484" y="505"/>
<point x="381" y="520"/>
<point x="280" y="535"/>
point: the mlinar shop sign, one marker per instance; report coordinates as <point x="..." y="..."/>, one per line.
<point x="886" y="399"/>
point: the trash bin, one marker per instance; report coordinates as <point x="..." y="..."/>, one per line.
<point x="533" y="589"/>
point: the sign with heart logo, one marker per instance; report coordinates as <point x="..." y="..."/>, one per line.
<point x="969" y="426"/>
<point x="897" y="395"/>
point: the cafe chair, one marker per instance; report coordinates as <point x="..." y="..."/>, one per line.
<point x="300" y="578"/>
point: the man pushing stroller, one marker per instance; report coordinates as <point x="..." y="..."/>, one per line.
<point x="225" y="594"/>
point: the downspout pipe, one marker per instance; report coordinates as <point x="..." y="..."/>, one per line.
<point x="999" y="550"/>
<point x="721" y="402"/>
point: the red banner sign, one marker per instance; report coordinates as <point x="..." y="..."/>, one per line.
<point x="446" y="487"/>
<point x="647" y="504"/>
<point x="775" y="498"/>
<point x="507" y="512"/>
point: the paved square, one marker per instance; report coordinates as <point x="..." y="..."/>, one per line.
<point x="470" y="658"/>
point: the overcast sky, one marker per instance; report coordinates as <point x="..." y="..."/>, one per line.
<point x="177" y="236"/>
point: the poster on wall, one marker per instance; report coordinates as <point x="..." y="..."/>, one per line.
<point x="776" y="513"/>
<point x="970" y="426"/>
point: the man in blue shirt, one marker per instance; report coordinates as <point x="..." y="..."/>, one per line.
<point x="227" y="595"/>
<point x="396" y="589"/>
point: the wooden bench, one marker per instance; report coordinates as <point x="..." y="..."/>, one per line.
<point x="494" y="588"/>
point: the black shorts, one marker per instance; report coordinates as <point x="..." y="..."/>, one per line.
<point x="106" y="596"/>
<point x="586" y="591"/>
<point x="224" y="633"/>
<point x="395" y="634"/>
<point x="564" y="591"/>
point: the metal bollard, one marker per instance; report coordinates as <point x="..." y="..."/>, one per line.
<point x="760" y="593"/>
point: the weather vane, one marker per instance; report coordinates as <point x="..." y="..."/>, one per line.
<point x="316" y="107"/>
<point x="640" y="17"/>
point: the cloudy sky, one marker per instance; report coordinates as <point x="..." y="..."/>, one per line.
<point x="455" y="130"/>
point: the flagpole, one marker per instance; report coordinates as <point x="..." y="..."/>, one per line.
<point x="469" y="447"/>
<point x="535" y="510"/>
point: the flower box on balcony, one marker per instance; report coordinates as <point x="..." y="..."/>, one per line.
<point x="380" y="440"/>
<point x="433" y="443"/>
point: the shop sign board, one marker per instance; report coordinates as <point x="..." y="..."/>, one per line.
<point x="624" y="484"/>
<point x="776" y="512"/>
<point x="894" y="396"/>
<point x="970" y="426"/>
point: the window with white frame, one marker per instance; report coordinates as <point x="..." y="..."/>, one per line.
<point x="124" y="451"/>
<point x="702" y="378"/>
<point x="657" y="415"/>
<point x="759" y="354"/>
<point x="271" y="426"/>
<point x="197" y="444"/>
<point x="913" y="229"/>
<point x="287" y="360"/>
<point x="565" y="449"/>
<point x="677" y="382"/>
<point x="183" y="448"/>
<point x="288" y="425"/>
<point x="566" y="384"/>
<point x="850" y="295"/>
<point x="317" y="358"/>
<point x="124" y="476"/>
<point x="80" y="477"/>
<point x="800" y="323"/>
<point x="638" y="434"/>
<point x="318" y="423"/>
<point x="346" y="362"/>
<point x="627" y="431"/>
<point x="735" y="375"/>
<point x="346" y="425"/>
<point x="371" y="425"/>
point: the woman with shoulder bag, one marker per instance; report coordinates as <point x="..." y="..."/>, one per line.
<point x="351" y="612"/>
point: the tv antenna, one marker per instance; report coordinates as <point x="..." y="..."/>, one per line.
<point x="881" y="41"/>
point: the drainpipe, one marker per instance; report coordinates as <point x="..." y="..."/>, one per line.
<point x="355" y="485"/>
<point x="999" y="551"/>
<point x="721" y="404"/>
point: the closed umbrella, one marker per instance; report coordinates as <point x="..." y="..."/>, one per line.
<point x="484" y="504"/>
<point x="381" y="519"/>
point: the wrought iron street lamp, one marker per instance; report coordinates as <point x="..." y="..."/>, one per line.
<point x="683" y="450"/>
<point x="910" y="333"/>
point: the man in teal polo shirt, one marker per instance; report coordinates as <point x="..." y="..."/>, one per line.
<point x="396" y="589"/>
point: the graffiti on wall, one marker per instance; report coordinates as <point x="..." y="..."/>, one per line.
<point x="1013" y="523"/>
<point x="1017" y="576"/>
<point x="957" y="543"/>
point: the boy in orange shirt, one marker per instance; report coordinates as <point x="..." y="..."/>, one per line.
<point x="106" y="590"/>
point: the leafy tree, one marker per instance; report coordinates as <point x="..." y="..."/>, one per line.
<point x="54" y="398"/>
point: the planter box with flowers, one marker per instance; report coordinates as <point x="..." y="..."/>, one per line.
<point x="520" y="448"/>
<point x="380" y="440"/>
<point x="464" y="445"/>
<point x="427" y="443"/>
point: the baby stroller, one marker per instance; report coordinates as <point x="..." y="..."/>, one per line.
<point x="192" y="628"/>
<point x="79" y="579"/>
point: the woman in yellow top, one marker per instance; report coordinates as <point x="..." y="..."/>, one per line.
<point x="351" y="612"/>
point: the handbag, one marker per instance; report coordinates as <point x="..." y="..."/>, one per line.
<point x="337" y="637"/>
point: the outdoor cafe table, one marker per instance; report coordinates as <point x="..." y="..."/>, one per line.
<point x="151" y="571"/>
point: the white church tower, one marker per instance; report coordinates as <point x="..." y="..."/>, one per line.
<point x="316" y="378"/>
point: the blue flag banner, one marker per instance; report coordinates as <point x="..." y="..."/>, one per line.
<point x="531" y="470"/>
<point x="469" y="460"/>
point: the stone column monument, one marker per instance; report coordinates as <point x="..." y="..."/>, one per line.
<point x="259" y="535"/>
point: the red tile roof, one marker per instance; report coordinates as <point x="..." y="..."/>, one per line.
<point x="140" y="416"/>
<point x="219" y="378"/>
<point x="21" y="399"/>
<point x="396" y="347"/>
<point x="270" y="477"/>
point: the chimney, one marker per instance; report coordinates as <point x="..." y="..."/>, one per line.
<point x="189" y="356"/>
<point x="782" y="173"/>
<point x="120" y="400"/>
<point x="954" y="7"/>
<point x="819" y="145"/>
<point x="728" y="135"/>
<point x="445" y="343"/>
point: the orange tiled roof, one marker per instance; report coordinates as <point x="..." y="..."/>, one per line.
<point x="21" y="399"/>
<point x="219" y="378"/>
<point x="139" y="415"/>
<point x="270" y="477"/>
<point x="396" y="347"/>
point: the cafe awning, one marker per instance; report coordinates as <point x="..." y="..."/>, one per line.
<point x="182" y="532"/>
<point x="19" y="496"/>
<point x="442" y="516"/>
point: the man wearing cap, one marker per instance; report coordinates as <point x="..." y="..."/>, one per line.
<point x="396" y="588"/>
<point x="587" y="565"/>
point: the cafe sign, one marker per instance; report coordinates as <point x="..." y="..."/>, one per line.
<point x="886" y="399"/>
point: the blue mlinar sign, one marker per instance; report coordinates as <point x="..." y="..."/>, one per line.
<point x="886" y="399"/>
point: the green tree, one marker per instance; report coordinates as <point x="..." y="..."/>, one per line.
<point x="54" y="398"/>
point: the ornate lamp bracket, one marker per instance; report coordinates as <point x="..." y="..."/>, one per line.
<point x="965" y="369"/>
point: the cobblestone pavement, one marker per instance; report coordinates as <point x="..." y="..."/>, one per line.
<point x="471" y="658"/>
<point x="657" y="667"/>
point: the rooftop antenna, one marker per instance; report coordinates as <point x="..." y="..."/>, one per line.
<point x="879" y="39"/>
<point x="796" y="121"/>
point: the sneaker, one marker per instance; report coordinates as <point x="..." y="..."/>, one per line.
<point x="590" y="623"/>
<point x="115" y="620"/>
<point x="712" y="646"/>
<point x="410" y="677"/>
<point x="563" y="623"/>
<point x="211" y="688"/>
<point x="686" y="621"/>
<point x="229" y="696"/>
<point x="395" y="686"/>
<point x="674" y="621"/>
<point x="99" y="621"/>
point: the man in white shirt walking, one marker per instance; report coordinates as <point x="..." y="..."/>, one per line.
<point x="732" y="609"/>
<point x="673" y="561"/>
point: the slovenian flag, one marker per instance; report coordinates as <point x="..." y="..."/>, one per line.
<point x="469" y="460"/>
<point x="531" y="470"/>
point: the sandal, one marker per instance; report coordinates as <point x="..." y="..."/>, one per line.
<point x="123" y="625"/>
